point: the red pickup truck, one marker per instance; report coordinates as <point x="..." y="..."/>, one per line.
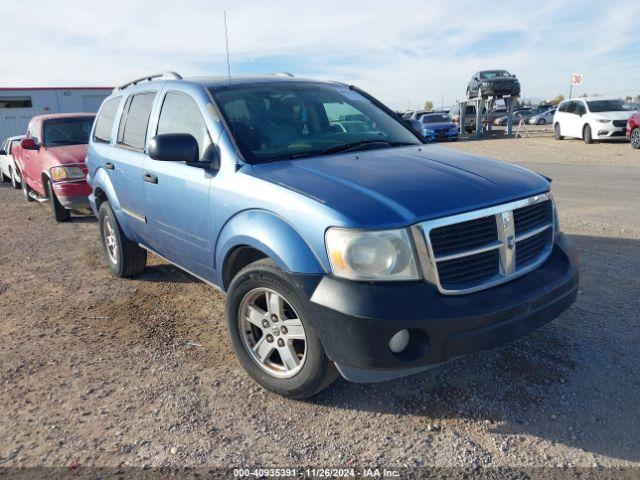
<point x="51" y="160"/>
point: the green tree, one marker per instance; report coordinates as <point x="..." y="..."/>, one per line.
<point x="428" y="105"/>
<point x="557" y="100"/>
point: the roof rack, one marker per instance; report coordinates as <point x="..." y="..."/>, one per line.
<point x="148" y="78"/>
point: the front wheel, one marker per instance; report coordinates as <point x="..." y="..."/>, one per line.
<point x="586" y="134"/>
<point x="60" y="214"/>
<point x="635" y="138"/>
<point x="26" y="190"/>
<point x="556" y="132"/>
<point x="271" y="333"/>
<point x="125" y="258"/>
<point x="542" y="121"/>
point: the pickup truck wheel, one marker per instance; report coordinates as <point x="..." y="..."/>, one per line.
<point x="60" y="214"/>
<point x="271" y="334"/>
<point x="125" y="258"/>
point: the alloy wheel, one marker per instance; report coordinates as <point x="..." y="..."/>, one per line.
<point x="109" y="234"/>
<point x="635" y="138"/>
<point x="272" y="333"/>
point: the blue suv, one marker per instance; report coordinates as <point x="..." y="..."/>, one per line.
<point x="362" y="252"/>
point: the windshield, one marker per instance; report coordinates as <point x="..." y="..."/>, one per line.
<point x="494" y="74"/>
<point x="439" y="118"/>
<point x="279" y="121"/>
<point x="66" y="131"/>
<point x="606" y="106"/>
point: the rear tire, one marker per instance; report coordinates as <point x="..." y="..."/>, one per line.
<point x="586" y="134"/>
<point x="556" y="132"/>
<point x="124" y="257"/>
<point x="635" y="138"/>
<point x="3" y="177"/>
<point x="14" y="181"/>
<point x="60" y="214"/>
<point x="312" y="371"/>
<point x="542" y="121"/>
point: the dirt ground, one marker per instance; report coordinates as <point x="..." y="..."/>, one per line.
<point x="100" y="371"/>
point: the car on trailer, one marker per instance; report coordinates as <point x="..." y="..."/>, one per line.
<point x="51" y="161"/>
<point x="493" y="83"/>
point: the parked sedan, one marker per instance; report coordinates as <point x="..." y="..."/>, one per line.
<point x="438" y="126"/>
<point x="633" y="130"/>
<point x="517" y="116"/>
<point x="493" y="83"/>
<point x="543" y="118"/>
<point x="8" y="170"/>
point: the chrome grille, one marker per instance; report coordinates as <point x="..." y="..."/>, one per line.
<point x="476" y="250"/>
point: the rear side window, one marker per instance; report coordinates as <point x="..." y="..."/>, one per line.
<point x="104" y="122"/>
<point x="134" y="133"/>
<point x="180" y="114"/>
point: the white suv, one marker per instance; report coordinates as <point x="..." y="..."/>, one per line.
<point x="591" y="119"/>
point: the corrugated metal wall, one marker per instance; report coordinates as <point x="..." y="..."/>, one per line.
<point x="14" y="121"/>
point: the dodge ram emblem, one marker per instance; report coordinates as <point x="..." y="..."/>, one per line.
<point x="511" y="242"/>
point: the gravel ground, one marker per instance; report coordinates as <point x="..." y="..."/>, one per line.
<point x="100" y="371"/>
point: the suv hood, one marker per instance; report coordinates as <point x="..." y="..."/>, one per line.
<point x="401" y="186"/>
<point x="69" y="153"/>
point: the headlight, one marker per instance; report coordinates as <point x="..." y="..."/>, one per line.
<point x="429" y="130"/>
<point x="59" y="174"/>
<point x="384" y="255"/>
<point x="602" y="120"/>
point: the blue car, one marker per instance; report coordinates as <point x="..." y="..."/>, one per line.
<point x="438" y="126"/>
<point x="363" y="253"/>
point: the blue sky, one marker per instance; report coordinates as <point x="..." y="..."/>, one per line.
<point x="403" y="52"/>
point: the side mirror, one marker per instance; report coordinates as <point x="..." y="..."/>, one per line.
<point x="174" y="147"/>
<point x="29" y="144"/>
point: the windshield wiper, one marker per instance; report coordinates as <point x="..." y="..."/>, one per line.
<point x="349" y="147"/>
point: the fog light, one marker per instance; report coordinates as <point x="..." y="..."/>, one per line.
<point x="603" y="132"/>
<point x="399" y="341"/>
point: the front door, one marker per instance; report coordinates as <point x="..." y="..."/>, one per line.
<point x="176" y="195"/>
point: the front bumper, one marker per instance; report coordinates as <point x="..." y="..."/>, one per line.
<point x="498" y="90"/>
<point x="606" y="131"/>
<point x="355" y="320"/>
<point x="73" y="195"/>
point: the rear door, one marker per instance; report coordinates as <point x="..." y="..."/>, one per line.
<point x="127" y="157"/>
<point x="176" y="195"/>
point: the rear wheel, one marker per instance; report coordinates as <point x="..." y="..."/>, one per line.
<point x="125" y="258"/>
<point x="542" y="121"/>
<point x="586" y="134"/>
<point x="3" y="177"/>
<point x="271" y="333"/>
<point x="60" y="214"/>
<point x="635" y="138"/>
<point x="556" y="132"/>
<point x="14" y="181"/>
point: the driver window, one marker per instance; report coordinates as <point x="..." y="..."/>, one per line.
<point x="180" y="114"/>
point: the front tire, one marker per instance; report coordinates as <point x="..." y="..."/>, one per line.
<point x="542" y="121"/>
<point x="556" y="132"/>
<point x="586" y="134"/>
<point x="635" y="138"/>
<point x="125" y="258"/>
<point x="60" y="214"/>
<point x="272" y="336"/>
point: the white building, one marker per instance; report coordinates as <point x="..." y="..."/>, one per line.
<point x="18" y="105"/>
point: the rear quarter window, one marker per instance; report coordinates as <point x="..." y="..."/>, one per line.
<point x="105" y="120"/>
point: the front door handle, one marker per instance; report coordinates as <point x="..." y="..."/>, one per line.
<point x="109" y="166"/>
<point x="150" y="178"/>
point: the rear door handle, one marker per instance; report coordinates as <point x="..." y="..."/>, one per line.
<point x="109" y="166"/>
<point x="150" y="178"/>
